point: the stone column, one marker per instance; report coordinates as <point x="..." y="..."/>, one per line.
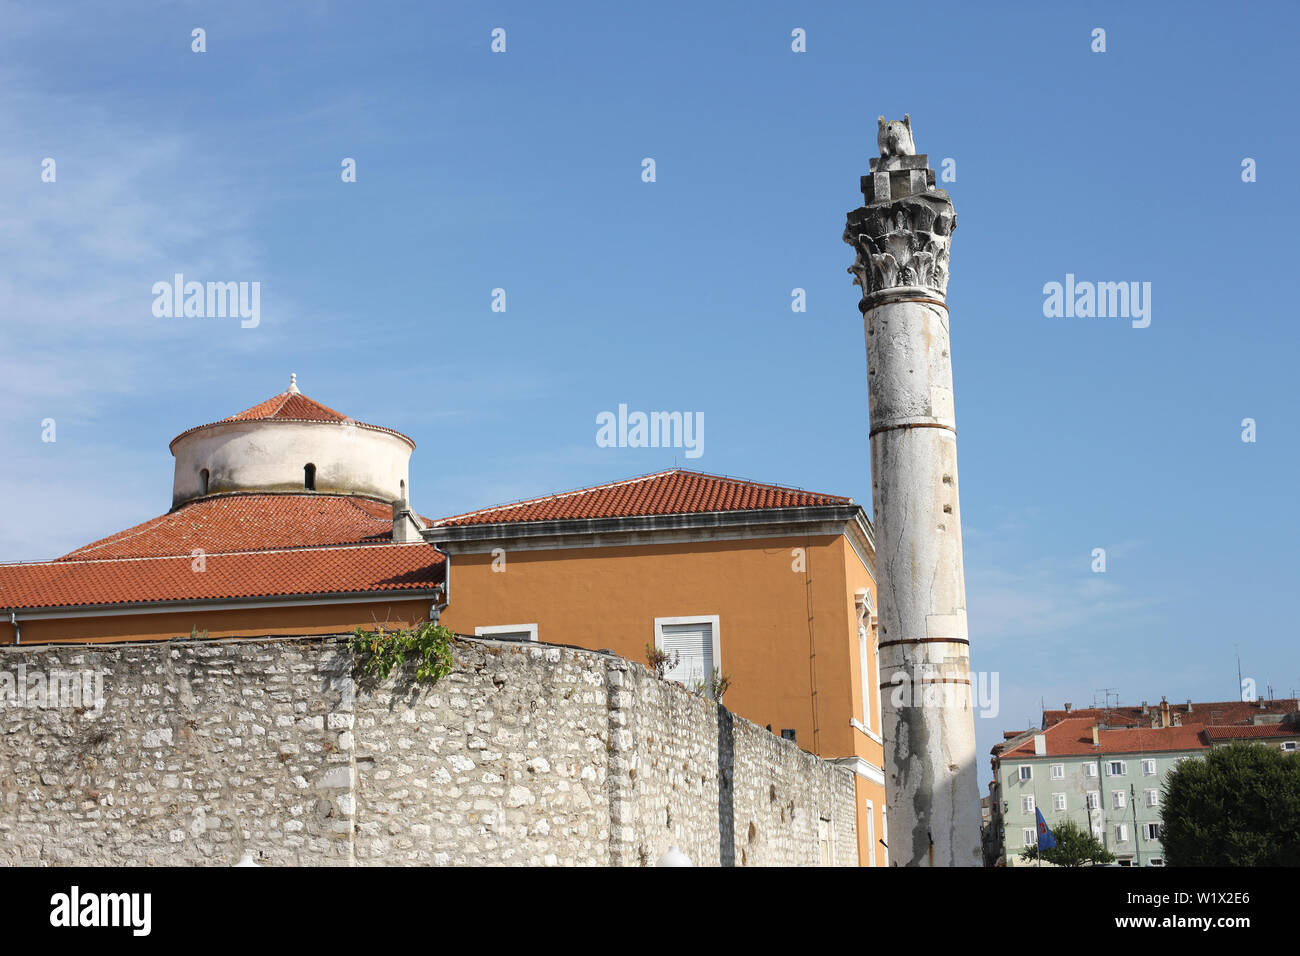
<point x="901" y="237"/>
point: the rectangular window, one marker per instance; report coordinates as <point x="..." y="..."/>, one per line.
<point x="1117" y="800"/>
<point x="508" y="632"/>
<point x="1148" y="768"/>
<point x="1094" y="799"/>
<point x="694" y="641"/>
<point x="884" y="826"/>
<point x="1121" y="833"/>
<point x="1026" y="772"/>
<point x="1289" y="745"/>
<point x="1096" y="833"/>
<point x="1117" y="768"/>
<point x="1031" y="836"/>
<point x="1027" y="804"/>
<point x="1151" y="831"/>
<point x="871" y="833"/>
<point x="864" y="673"/>
<point x="875" y="678"/>
<point x="1058" y="801"/>
<point x="1156" y="861"/>
<point x="1153" y="798"/>
<point x="1090" y="770"/>
<point x="1058" y="771"/>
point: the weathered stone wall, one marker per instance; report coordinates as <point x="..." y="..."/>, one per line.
<point x="525" y="754"/>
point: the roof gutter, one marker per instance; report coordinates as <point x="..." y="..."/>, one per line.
<point x="225" y="604"/>
<point x="706" y="520"/>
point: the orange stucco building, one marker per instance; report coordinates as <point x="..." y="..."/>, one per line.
<point x="770" y="586"/>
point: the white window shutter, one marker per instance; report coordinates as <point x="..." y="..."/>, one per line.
<point x="694" y="645"/>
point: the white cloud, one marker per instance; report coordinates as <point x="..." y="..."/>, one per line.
<point x="131" y="206"/>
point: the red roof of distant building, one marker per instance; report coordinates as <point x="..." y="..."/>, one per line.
<point x="1218" y="713"/>
<point x="291" y="406"/>
<point x="1073" y="737"/>
<point x="667" y="492"/>
<point x="1253" y="732"/>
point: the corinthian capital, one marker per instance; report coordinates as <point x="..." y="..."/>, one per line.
<point x="902" y="234"/>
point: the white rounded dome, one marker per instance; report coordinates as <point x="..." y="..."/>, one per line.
<point x="290" y="443"/>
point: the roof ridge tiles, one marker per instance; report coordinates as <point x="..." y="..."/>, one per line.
<point x="676" y="500"/>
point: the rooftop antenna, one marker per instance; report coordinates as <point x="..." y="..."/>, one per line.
<point x="1240" y="685"/>
<point x="1106" y="694"/>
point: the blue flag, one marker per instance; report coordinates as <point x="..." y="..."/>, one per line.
<point x="1045" y="841"/>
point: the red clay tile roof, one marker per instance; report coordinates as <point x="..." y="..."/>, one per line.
<point x="1073" y="737"/>
<point x="668" y="492"/>
<point x="307" y="571"/>
<point x="1218" y="713"/>
<point x="1258" y="730"/>
<point x="254" y="545"/>
<point x="261" y="545"/>
<point x="249" y="522"/>
<point x="291" y="406"/>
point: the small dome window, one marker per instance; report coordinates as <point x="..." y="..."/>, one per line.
<point x="203" y="481"/>
<point x="309" y="477"/>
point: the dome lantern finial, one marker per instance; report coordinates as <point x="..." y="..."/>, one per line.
<point x="293" y="383"/>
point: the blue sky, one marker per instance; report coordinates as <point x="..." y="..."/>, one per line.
<point x="522" y="171"/>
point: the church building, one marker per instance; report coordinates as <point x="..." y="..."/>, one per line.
<point x="291" y="519"/>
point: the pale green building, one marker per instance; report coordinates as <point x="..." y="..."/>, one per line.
<point x="1108" y="781"/>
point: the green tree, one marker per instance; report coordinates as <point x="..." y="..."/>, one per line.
<point x="1074" y="847"/>
<point x="1240" y="806"/>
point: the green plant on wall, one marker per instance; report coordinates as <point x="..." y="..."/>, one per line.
<point x="714" y="686"/>
<point x="661" y="661"/>
<point x="380" y="652"/>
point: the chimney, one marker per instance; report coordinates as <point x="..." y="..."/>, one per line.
<point x="1164" y="713"/>
<point x="1067" y="706"/>
<point x="406" y="525"/>
<point x="1040" y="745"/>
<point x="1189" y="705"/>
<point x="1144" y="708"/>
<point x="1096" y="737"/>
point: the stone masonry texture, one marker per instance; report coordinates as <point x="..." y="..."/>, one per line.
<point x="526" y="754"/>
